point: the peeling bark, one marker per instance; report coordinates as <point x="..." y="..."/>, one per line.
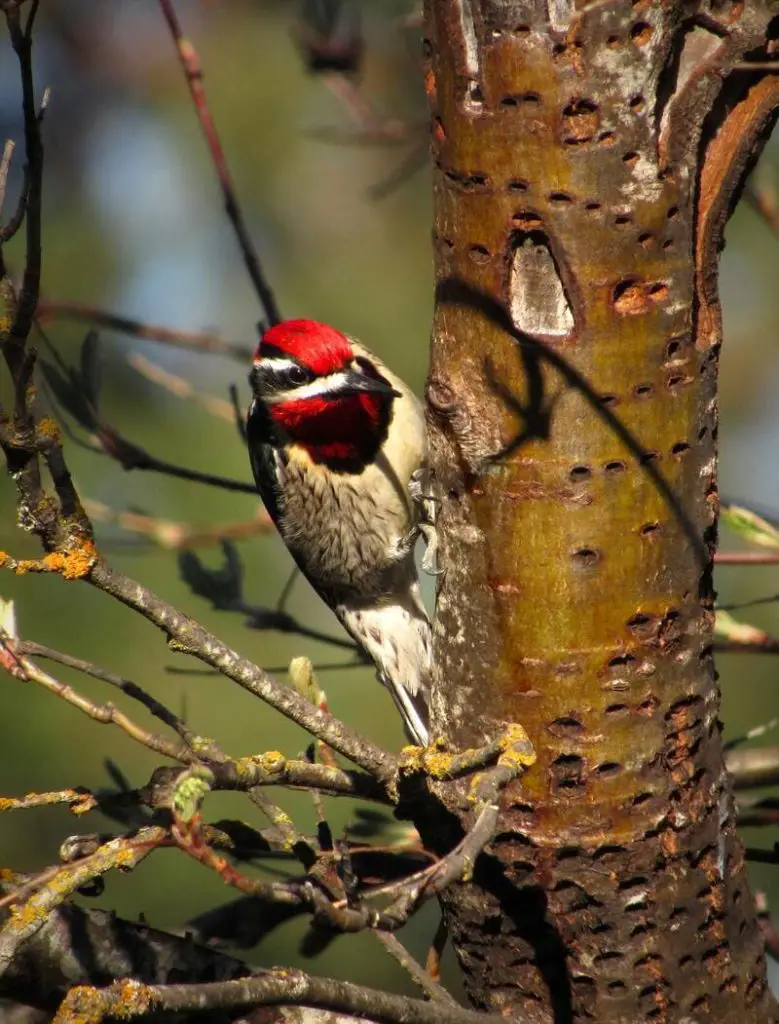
<point x="585" y="161"/>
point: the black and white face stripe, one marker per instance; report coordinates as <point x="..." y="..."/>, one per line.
<point x="275" y="379"/>
<point x="281" y="379"/>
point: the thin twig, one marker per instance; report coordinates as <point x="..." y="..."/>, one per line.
<point x="293" y="841"/>
<point x="19" y="887"/>
<point x="131" y="456"/>
<point x="179" y="387"/>
<point x="17" y="217"/>
<point x="5" y="166"/>
<point x="21" y="40"/>
<point x="373" y="126"/>
<point x="131" y="689"/>
<point x="189" y="838"/>
<point x="428" y="984"/>
<point x="740" y="647"/>
<point x="746" y="558"/>
<point x="193" y="73"/>
<point x="756" y="732"/>
<point x="198" y="341"/>
<point x="173" y="535"/>
<point x="753" y="767"/>
<point x="103" y="713"/>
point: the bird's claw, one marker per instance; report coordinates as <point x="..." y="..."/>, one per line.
<point x="426" y="507"/>
<point x="430" y="557"/>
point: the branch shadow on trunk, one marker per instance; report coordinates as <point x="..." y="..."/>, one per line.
<point x="537" y="413"/>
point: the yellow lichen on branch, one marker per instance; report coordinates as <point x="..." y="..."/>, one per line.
<point x="512" y="748"/>
<point x="518" y="751"/>
<point x="48" y="430"/>
<point x="73" y="564"/>
<point x="80" y="801"/>
<point x="273" y="762"/>
<point x="123" y="1000"/>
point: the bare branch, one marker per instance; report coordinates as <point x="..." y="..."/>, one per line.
<point x="274" y="769"/>
<point x="193" y="72"/>
<point x="174" y="535"/>
<point x="189" y="637"/>
<point x="79" y="801"/>
<point x="85" y="946"/>
<point x="198" y="341"/>
<point x="457" y="865"/>
<point x="132" y="456"/>
<point x="21" y="40"/>
<point x="32" y="649"/>
<point x="30" y="917"/>
<point x="757" y="766"/>
<point x="181" y="388"/>
<point x="742" y="637"/>
<point x="282" y="987"/>
<point x="104" y="713"/>
<point x="757" y="813"/>
<point x="745" y="558"/>
<point x="426" y="982"/>
<point x="5" y="166"/>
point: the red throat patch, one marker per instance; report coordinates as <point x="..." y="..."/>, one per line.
<point x="318" y="346"/>
<point x="345" y="429"/>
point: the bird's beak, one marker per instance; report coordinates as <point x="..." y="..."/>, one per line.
<point x="356" y="382"/>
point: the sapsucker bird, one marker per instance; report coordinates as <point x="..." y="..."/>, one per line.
<point x="339" y="450"/>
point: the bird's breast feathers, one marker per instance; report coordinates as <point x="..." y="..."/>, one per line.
<point x="346" y="532"/>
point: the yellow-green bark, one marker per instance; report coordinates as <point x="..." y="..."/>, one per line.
<point x="585" y="162"/>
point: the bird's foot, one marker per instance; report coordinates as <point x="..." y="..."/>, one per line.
<point x="426" y="507"/>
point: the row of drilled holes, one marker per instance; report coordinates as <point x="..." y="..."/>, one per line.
<point x="481" y="254"/>
<point x="701" y="859"/>
<point x="571" y="728"/>
<point x="479" y="181"/>
<point x="524" y="29"/>
<point x="645" y="390"/>
<point x="580" y="474"/>
<point x="529" y="221"/>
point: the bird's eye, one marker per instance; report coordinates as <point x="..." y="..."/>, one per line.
<point x="297" y="375"/>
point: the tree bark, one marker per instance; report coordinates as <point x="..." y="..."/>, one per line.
<point x="585" y="161"/>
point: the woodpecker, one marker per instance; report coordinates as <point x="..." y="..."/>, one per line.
<point x="339" y="452"/>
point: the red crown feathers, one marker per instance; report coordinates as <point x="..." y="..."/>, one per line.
<point x="318" y="346"/>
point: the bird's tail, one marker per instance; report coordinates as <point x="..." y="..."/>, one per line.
<point x="413" y="710"/>
<point x="397" y="636"/>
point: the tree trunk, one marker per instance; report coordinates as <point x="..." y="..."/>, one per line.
<point x="585" y="161"/>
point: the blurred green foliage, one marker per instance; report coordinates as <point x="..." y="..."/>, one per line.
<point x="133" y="224"/>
